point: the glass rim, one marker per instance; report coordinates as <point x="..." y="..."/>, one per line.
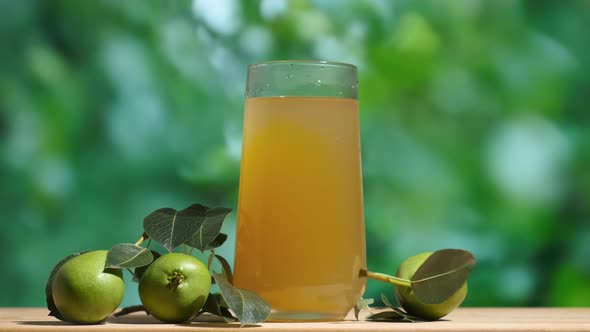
<point x="302" y="62"/>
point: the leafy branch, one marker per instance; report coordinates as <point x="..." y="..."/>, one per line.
<point x="199" y="227"/>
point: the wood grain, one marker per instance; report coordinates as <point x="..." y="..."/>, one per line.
<point x="463" y="319"/>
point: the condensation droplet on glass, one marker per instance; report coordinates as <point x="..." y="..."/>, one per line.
<point x="258" y="91"/>
<point x="289" y="76"/>
<point x="267" y="85"/>
<point x="339" y="93"/>
<point x="318" y="82"/>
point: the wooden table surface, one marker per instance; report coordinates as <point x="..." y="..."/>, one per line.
<point x="463" y="319"/>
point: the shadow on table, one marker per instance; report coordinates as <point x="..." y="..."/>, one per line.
<point x="146" y="320"/>
<point x="42" y="323"/>
<point x="209" y="321"/>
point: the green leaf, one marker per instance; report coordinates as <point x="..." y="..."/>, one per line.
<point x="48" y="286"/>
<point x="216" y="305"/>
<point x="127" y="255"/>
<point x="442" y="275"/>
<point x="226" y="269"/>
<point x="138" y="272"/>
<point x="171" y="228"/>
<point x="212" y="304"/>
<point x="386" y="301"/>
<point x="210" y="222"/>
<point x="248" y="306"/>
<point x="217" y="242"/>
<point x="362" y="304"/>
<point x="386" y="316"/>
<point x="397" y="310"/>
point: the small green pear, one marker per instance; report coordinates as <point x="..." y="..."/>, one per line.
<point x="84" y="291"/>
<point x="175" y="287"/>
<point x="407" y="299"/>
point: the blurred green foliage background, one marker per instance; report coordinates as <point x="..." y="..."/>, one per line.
<point x="475" y="128"/>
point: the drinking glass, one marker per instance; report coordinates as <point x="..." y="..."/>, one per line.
<point x="300" y="240"/>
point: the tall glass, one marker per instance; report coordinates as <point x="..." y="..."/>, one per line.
<point x="301" y="237"/>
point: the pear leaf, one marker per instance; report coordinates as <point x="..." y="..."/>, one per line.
<point x="442" y="275"/>
<point x="216" y="305"/>
<point x="248" y="306"/>
<point x="217" y="241"/>
<point x="208" y="227"/>
<point x="386" y="316"/>
<point x="138" y="272"/>
<point x="128" y="255"/>
<point x="362" y="304"/>
<point x="171" y="228"/>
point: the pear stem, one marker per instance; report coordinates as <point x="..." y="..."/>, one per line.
<point x="142" y="238"/>
<point x="386" y="278"/>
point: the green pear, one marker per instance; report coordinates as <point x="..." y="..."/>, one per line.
<point x="175" y="287"/>
<point x="84" y="291"/>
<point x="407" y="299"/>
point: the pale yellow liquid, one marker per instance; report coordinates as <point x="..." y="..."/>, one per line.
<point x="300" y="238"/>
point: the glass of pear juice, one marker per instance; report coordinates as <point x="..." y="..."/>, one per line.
<point x="300" y="240"/>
